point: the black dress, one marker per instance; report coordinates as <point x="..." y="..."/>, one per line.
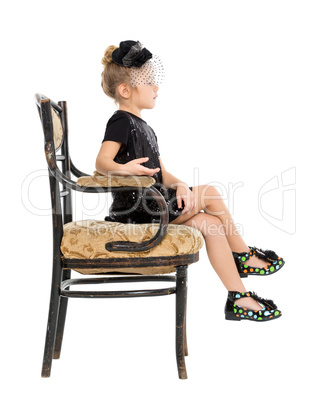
<point x="138" y="140"/>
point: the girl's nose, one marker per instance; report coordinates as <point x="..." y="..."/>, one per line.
<point x="156" y="88"/>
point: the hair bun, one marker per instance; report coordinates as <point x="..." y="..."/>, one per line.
<point x="107" y="59"/>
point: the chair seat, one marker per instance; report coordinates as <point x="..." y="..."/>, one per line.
<point x="86" y="239"/>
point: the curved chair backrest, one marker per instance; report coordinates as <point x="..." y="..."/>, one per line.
<point x="54" y="123"/>
<point x="55" y="117"/>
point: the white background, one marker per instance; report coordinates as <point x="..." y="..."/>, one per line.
<point x="238" y="106"/>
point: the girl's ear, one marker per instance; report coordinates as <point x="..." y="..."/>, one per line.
<point x="124" y="90"/>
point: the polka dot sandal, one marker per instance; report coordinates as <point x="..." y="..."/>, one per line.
<point x="234" y="312"/>
<point x="275" y="263"/>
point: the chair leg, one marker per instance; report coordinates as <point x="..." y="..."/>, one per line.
<point x="60" y="327"/>
<point x="52" y="323"/>
<point x="61" y="320"/>
<point x="181" y="296"/>
<point x="185" y="332"/>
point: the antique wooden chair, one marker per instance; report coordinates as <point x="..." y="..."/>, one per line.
<point x="151" y="250"/>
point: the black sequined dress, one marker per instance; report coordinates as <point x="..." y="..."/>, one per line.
<point x="138" y="140"/>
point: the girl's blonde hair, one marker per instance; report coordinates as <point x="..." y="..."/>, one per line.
<point x="113" y="74"/>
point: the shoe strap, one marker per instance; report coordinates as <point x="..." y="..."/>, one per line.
<point x="234" y="296"/>
<point x="244" y="256"/>
<point x="266" y="255"/>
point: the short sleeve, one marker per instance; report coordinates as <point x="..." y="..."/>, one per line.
<point x="118" y="129"/>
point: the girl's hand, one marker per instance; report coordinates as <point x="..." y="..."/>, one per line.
<point x="184" y="193"/>
<point x="134" y="167"/>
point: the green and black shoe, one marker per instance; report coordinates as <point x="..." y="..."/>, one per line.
<point x="275" y="263"/>
<point x="234" y="312"/>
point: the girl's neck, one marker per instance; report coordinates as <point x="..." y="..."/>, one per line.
<point x="132" y="109"/>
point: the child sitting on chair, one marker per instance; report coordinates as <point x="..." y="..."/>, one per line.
<point x="131" y="76"/>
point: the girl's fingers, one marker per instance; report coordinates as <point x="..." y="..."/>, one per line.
<point x="189" y="203"/>
<point x="149" y="171"/>
<point x="186" y="208"/>
<point x="189" y="207"/>
<point x="141" y="160"/>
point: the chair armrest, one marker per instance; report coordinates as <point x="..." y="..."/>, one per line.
<point x="63" y="179"/>
<point x="116" y="181"/>
<point x="146" y="245"/>
<point x="100" y="180"/>
<point x="116" y="245"/>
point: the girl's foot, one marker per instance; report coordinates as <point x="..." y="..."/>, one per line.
<point x="249" y="303"/>
<point x="257" y="262"/>
<point x="235" y="310"/>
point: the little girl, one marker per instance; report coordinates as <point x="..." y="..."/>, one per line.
<point x="131" y="76"/>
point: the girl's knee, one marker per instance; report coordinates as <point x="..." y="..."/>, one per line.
<point x="205" y="194"/>
<point x="207" y="189"/>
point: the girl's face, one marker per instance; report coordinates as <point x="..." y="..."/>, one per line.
<point x="144" y="96"/>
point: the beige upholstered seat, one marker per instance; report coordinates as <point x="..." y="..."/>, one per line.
<point x="86" y="239"/>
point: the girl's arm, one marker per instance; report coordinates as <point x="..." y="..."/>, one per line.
<point x="105" y="163"/>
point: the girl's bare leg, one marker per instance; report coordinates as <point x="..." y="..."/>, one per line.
<point x="220" y="255"/>
<point x="210" y="201"/>
<point x="213" y="204"/>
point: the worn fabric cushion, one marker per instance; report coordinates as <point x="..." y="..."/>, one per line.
<point x="100" y="180"/>
<point x="86" y="240"/>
